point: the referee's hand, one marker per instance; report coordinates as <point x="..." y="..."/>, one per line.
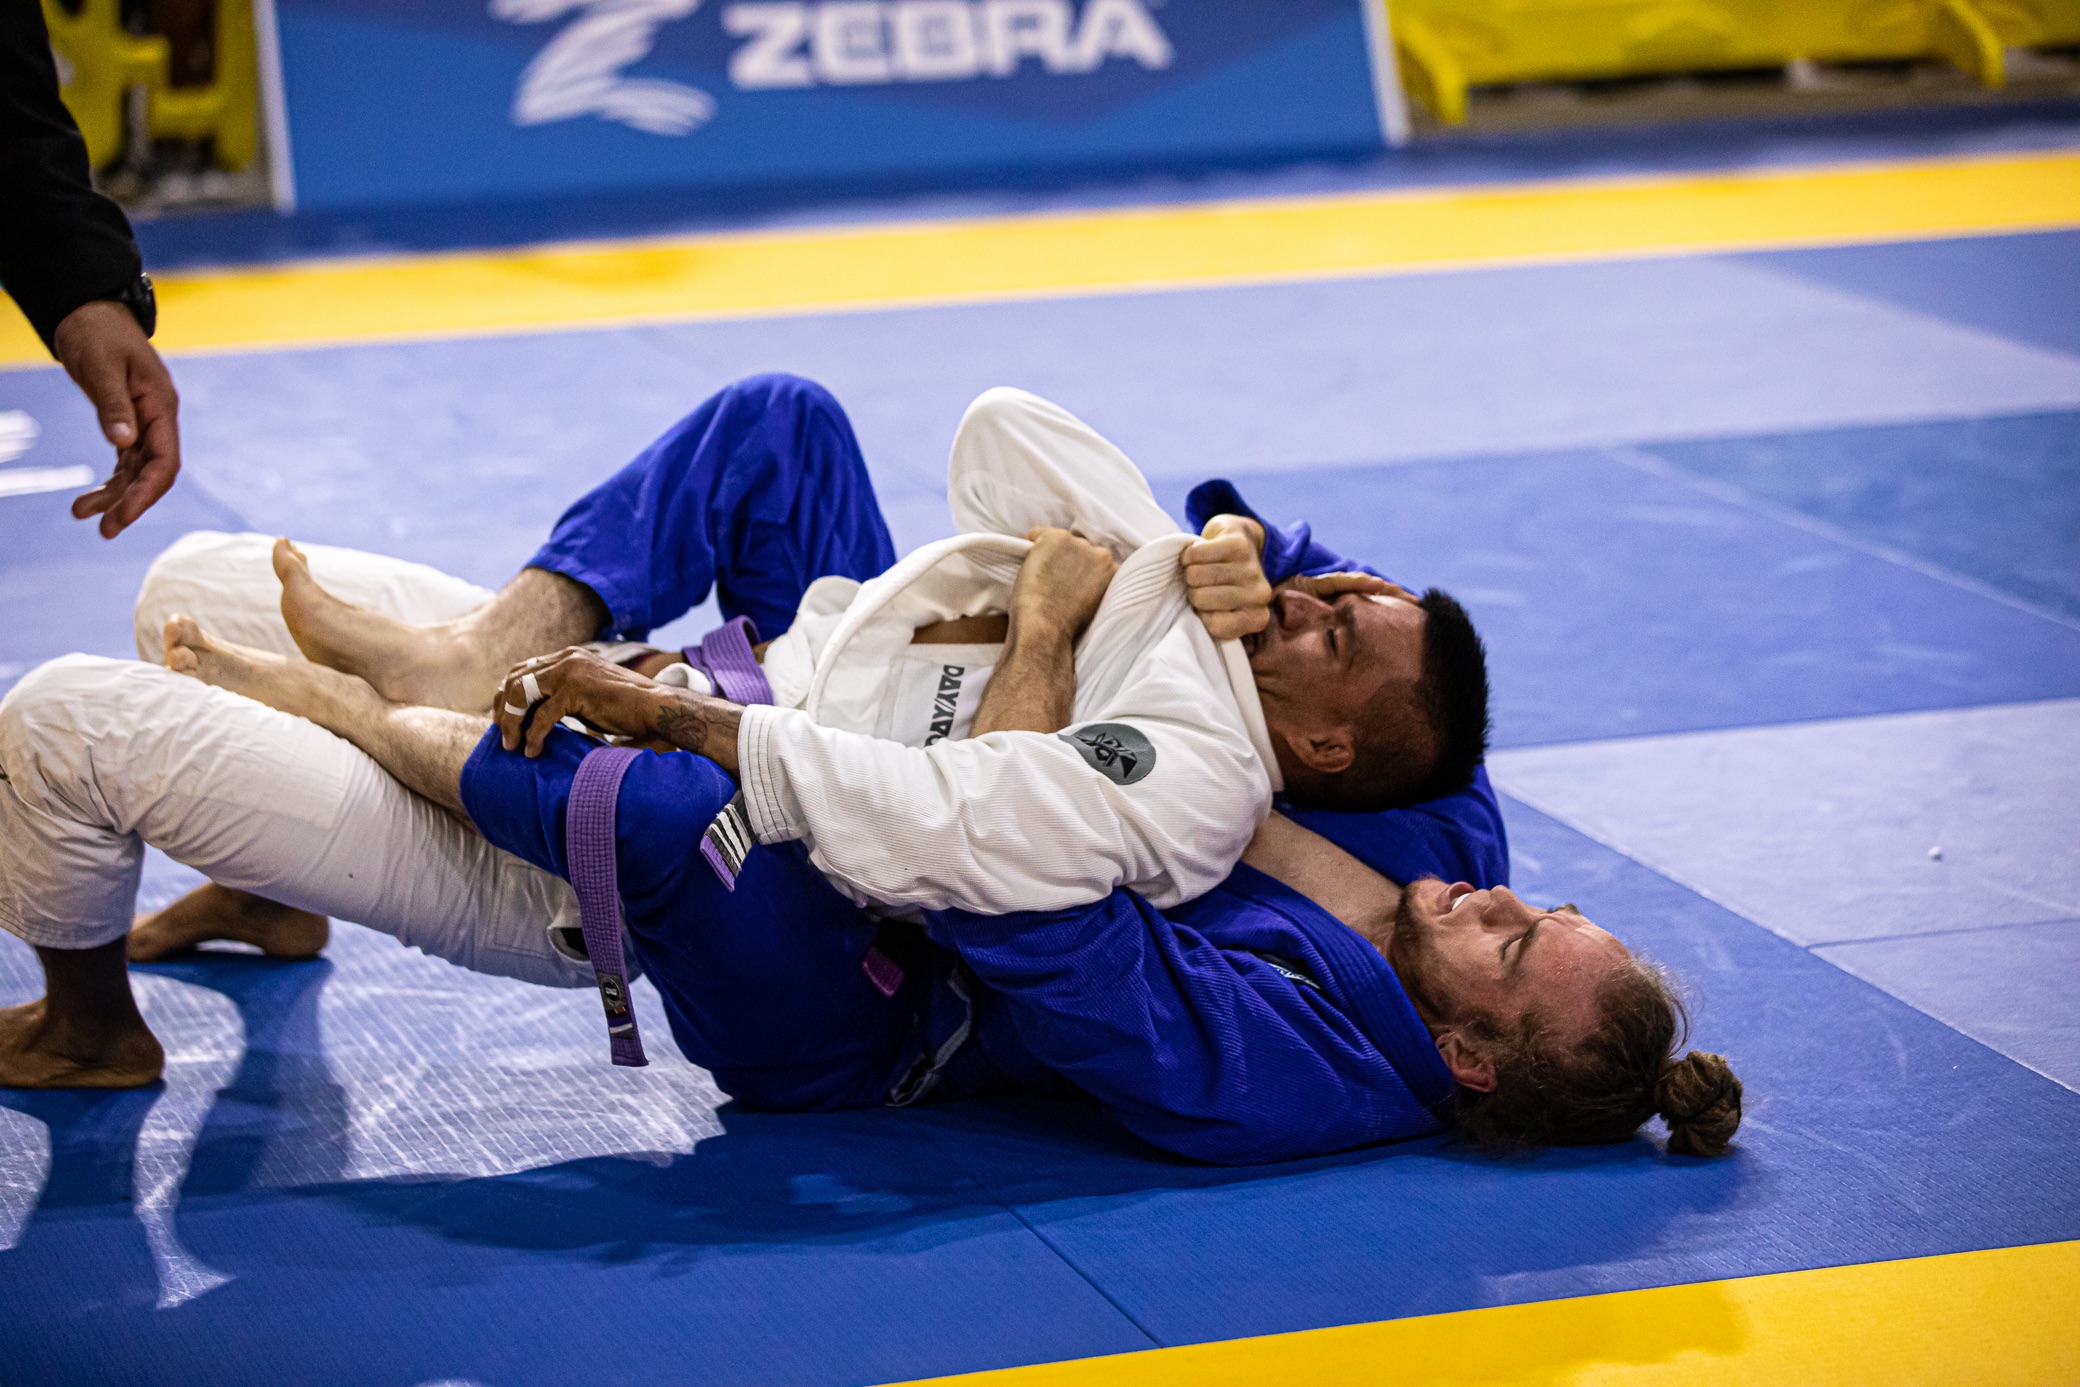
<point x="108" y="357"/>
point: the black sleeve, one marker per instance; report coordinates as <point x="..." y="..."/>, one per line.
<point x="61" y="243"/>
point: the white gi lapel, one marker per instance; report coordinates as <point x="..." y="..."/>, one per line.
<point x="1242" y="682"/>
<point x="966" y="575"/>
<point x="971" y="574"/>
<point x="1143" y="604"/>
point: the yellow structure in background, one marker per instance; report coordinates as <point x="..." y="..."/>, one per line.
<point x="1447" y="46"/>
<point x="100" y="62"/>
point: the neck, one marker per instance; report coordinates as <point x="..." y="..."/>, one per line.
<point x="1328" y="876"/>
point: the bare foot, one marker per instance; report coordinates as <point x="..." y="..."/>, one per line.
<point x="325" y="696"/>
<point x="428" y="665"/>
<point x="211" y="911"/>
<point x="38" y="1052"/>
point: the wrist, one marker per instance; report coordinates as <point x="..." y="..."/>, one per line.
<point x="697" y="722"/>
<point x="135" y="305"/>
<point x="1038" y="630"/>
<point x="92" y="319"/>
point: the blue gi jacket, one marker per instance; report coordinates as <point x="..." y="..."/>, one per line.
<point x="1249" y="1025"/>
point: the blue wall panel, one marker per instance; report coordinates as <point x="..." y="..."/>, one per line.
<point x="523" y="98"/>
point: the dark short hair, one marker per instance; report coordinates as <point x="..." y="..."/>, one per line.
<point x="1604" y="1089"/>
<point x="1412" y="750"/>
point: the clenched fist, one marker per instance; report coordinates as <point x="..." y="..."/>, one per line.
<point x="1061" y="582"/>
<point x="1224" y="572"/>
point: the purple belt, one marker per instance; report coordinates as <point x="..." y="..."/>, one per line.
<point x="588" y="849"/>
<point x="724" y="655"/>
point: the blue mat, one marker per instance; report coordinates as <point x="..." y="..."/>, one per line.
<point x="1992" y="499"/>
<point x="379" y="1170"/>
<point x="2022" y="287"/>
<point x="869" y="1246"/>
<point x="1619" y="600"/>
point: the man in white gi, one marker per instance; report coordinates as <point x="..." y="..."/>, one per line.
<point x="1165" y="769"/>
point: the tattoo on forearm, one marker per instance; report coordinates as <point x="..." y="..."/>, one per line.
<point x="682" y="725"/>
<point x="690" y="720"/>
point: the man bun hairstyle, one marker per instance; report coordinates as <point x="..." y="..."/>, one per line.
<point x="1700" y="1099"/>
<point x="1411" y="751"/>
<point x="1605" y="1088"/>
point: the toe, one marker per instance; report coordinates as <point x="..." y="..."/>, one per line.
<point x="286" y="561"/>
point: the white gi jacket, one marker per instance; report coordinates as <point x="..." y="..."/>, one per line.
<point x="1158" y="783"/>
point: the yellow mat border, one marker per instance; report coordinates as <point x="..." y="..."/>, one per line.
<point x="2010" y="1315"/>
<point x="1061" y="254"/>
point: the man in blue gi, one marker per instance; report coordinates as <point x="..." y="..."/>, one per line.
<point x="1259" y="1022"/>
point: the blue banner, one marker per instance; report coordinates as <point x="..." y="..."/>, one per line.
<point x="418" y="101"/>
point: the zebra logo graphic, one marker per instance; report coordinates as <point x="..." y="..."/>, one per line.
<point x="579" y="73"/>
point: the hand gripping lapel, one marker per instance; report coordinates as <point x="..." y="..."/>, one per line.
<point x="588" y="845"/>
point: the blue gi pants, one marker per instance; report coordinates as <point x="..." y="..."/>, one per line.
<point x="757" y="493"/>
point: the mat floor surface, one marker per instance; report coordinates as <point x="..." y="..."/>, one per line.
<point x="1777" y="554"/>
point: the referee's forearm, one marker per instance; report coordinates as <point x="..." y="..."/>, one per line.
<point x="62" y="244"/>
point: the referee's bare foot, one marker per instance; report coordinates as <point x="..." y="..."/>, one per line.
<point x="212" y="912"/>
<point x="429" y="665"/>
<point x="39" y="1050"/>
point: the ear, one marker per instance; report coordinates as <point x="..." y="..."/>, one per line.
<point x="1326" y="752"/>
<point x="1469" y="1066"/>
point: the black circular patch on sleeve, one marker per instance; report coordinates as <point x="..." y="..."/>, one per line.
<point x="1115" y="751"/>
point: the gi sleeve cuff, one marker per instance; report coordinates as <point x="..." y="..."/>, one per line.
<point x="769" y="801"/>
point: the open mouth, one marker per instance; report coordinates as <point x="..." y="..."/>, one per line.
<point x="1257" y="642"/>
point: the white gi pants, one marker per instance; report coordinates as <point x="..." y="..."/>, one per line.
<point x="100" y="757"/>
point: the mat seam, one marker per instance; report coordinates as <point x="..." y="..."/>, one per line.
<point x="1942" y="933"/>
<point x="1810" y="950"/>
<point x="1802" y="721"/>
<point x="1045" y="1241"/>
<point x="1637" y="457"/>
